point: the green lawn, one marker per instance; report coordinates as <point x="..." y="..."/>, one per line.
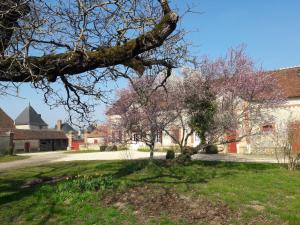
<point x="9" y="158"/>
<point x="254" y="193"/>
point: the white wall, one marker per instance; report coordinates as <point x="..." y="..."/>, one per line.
<point x="31" y="127"/>
<point x="99" y="141"/>
<point x="20" y="145"/>
<point x="263" y="142"/>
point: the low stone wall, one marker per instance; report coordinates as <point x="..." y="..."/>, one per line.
<point x="89" y="147"/>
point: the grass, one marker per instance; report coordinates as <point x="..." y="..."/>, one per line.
<point x="9" y="158"/>
<point x="242" y="186"/>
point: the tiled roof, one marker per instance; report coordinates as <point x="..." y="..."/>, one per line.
<point x="67" y="128"/>
<point x="5" y="120"/>
<point x="289" y="81"/>
<point x="30" y="117"/>
<point x="96" y="134"/>
<point x="100" y="131"/>
<point x="35" y="134"/>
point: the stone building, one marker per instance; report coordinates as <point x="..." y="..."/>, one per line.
<point x="30" y="133"/>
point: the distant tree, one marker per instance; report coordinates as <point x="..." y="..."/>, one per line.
<point x="83" y="45"/>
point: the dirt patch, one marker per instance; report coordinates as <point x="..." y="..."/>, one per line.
<point x="150" y="202"/>
<point x="44" y="180"/>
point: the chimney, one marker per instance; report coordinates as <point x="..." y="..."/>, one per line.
<point x="58" y="125"/>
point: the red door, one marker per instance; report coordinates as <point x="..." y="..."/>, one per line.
<point x="27" y="146"/>
<point x="232" y="145"/>
<point x="294" y="135"/>
<point x="75" y="144"/>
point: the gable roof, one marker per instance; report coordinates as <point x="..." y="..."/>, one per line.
<point x="30" y="117"/>
<point x="5" y="120"/>
<point x="65" y="127"/>
<point x="288" y="81"/>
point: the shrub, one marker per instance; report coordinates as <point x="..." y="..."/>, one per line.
<point x="113" y="148"/>
<point x="103" y="148"/>
<point x="184" y="159"/>
<point x="122" y="148"/>
<point x="86" y="183"/>
<point x="211" y="149"/>
<point x="144" y="149"/>
<point x="190" y="150"/>
<point x="170" y="154"/>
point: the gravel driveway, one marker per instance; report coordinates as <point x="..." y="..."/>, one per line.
<point x="61" y="156"/>
<point x="42" y="158"/>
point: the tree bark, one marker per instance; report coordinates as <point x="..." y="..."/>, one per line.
<point x="10" y="12"/>
<point x="72" y="63"/>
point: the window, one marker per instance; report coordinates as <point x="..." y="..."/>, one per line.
<point x="159" y="137"/>
<point x="135" y="138"/>
<point x="267" y="128"/>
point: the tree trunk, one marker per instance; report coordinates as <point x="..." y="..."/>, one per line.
<point x="151" y="153"/>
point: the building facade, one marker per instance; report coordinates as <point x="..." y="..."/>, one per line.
<point x="268" y="136"/>
<point x="30" y="133"/>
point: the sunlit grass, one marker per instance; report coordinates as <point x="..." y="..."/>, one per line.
<point x="254" y="190"/>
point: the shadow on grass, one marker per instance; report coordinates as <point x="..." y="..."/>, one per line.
<point x="138" y="172"/>
<point x="246" y="166"/>
<point x="195" y="173"/>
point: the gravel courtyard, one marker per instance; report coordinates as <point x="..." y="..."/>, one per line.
<point x="61" y="156"/>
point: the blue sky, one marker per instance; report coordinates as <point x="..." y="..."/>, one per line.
<point x="268" y="28"/>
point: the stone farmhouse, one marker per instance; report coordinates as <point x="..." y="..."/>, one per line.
<point x="30" y="133"/>
<point x="285" y="115"/>
<point x="286" y="118"/>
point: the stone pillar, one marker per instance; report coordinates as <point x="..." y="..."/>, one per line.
<point x="58" y="125"/>
<point x="70" y="139"/>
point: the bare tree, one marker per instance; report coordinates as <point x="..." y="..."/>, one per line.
<point x="285" y="141"/>
<point x="84" y="45"/>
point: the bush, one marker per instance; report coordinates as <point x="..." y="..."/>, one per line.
<point x="190" y="150"/>
<point x="211" y="149"/>
<point x="122" y="147"/>
<point x="113" y="148"/>
<point x="184" y="159"/>
<point x="170" y="154"/>
<point x="86" y="183"/>
<point x="103" y="148"/>
<point x="144" y="149"/>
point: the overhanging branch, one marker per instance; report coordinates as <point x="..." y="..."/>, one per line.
<point x="73" y="62"/>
